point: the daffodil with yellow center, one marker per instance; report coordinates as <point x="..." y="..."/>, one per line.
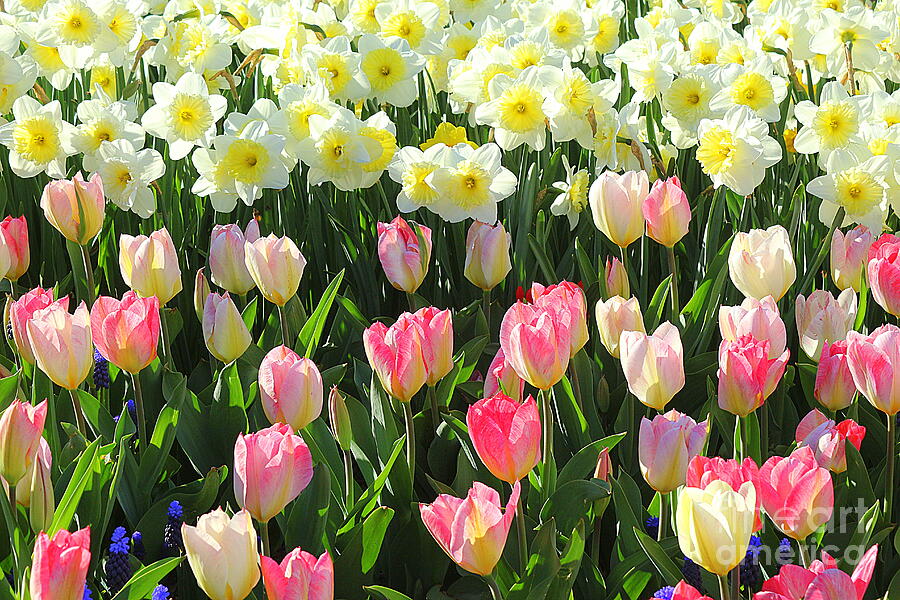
<point x="688" y="98"/>
<point x="385" y="142"/>
<point x="566" y="29"/>
<point x="362" y="15"/>
<point x="717" y="151"/>
<point x="415" y="185"/>
<point x="833" y="126"/>
<point x="858" y="188"/>
<point x="298" y="114"/>
<point x="471" y="183"/>
<point x="753" y="90"/>
<point x="75" y="23"/>
<point x="516" y="111"/>
<point x="391" y="69"/>
<point x="246" y="160"/>
<point x="384" y="68"/>
<point x="835" y="123"/>
<point x="519" y="108"/>
<point x="527" y="53"/>
<point x="333" y="70"/>
<point x="36" y="139"/>
<point x="607" y="37"/>
<point x="406" y="25"/>
<point x="191" y="116"/>
<point x="104" y="76"/>
<point x="449" y="135"/>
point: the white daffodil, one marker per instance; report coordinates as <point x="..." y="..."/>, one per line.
<point x="857" y="187"/>
<point x="391" y="69"/>
<point x="857" y="26"/>
<point x="122" y="18"/>
<point x="603" y="143"/>
<point x="253" y="161"/>
<point x="573" y="101"/>
<point x="17" y="76"/>
<point x="412" y="168"/>
<point x="760" y="92"/>
<point x="298" y="103"/>
<point x="516" y="110"/>
<point x="214" y="182"/>
<point x="337" y="66"/>
<point x="38" y="139"/>
<point x="196" y="45"/>
<point x="607" y="15"/>
<point x="736" y="150"/>
<point x="184" y="115"/>
<point x="573" y="194"/>
<point x="54" y="64"/>
<point x="127" y="174"/>
<point x="786" y="27"/>
<point x="687" y="102"/>
<point x="71" y="23"/>
<point x="567" y="24"/>
<point x="473" y="185"/>
<point x="417" y="22"/>
<point x="102" y="121"/>
<point x="832" y="125"/>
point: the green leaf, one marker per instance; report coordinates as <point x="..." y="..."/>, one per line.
<point x="657" y="304"/>
<point x="543" y="565"/>
<point x="67" y="505"/>
<point x="386" y="593"/>
<point x="367" y="500"/>
<point x="658" y="558"/>
<point x="146" y="578"/>
<point x="312" y="329"/>
<point x="582" y="464"/>
<point x="373" y="530"/>
<point x="571" y="501"/>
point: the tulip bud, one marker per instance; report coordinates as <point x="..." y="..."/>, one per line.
<point x="653" y="364"/>
<point x="340" y="419"/>
<point x="60" y="565"/>
<point x="437" y="342"/>
<point x="290" y="388"/>
<point x="501" y="377"/>
<point x="616" y="202"/>
<point x="616" y="316"/>
<point x="667" y="212"/>
<point x="506" y="435"/>
<point x="665" y="447"/>
<point x="487" y="255"/>
<point x="822" y="319"/>
<point x="404" y="250"/>
<point x="300" y="576"/>
<point x="201" y="291"/>
<point x="35" y="490"/>
<point x="616" y="279"/>
<point x="747" y="376"/>
<point x="276" y="266"/>
<point x="223" y="554"/>
<point x="797" y="494"/>
<point x="224" y="331"/>
<point x="761" y="263"/>
<point x="21" y="311"/>
<point x="834" y="383"/>
<point x="149" y="265"/>
<point x="759" y="318"/>
<point x="126" y="332"/>
<point x="849" y="255"/>
<point x="15" y="238"/>
<point x="604" y="466"/>
<point x="21" y="427"/>
<point x="396" y="355"/>
<point x="62" y="343"/>
<point x="227" y="262"/>
<point x="75" y="207"/>
<point x="884" y="272"/>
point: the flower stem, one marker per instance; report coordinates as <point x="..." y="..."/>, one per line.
<point x="264" y="534"/>
<point x="12" y="524"/>
<point x="523" y="543"/>
<point x="139" y="409"/>
<point x="724" y="592"/>
<point x="164" y="335"/>
<point x="804" y="553"/>
<point x="285" y="333"/>
<point x="486" y="309"/>
<point x="673" y="285"/>
<point x="663" y="517"/>
<point x="435" y="412"/>
<point x="547" y="479"/>
<point x="79" y="416"/>
<point x="411" y="300"/>
<point x="736" y="583"/>
<point x="348" y="479"/>
<point x="89" y="274"/>
<point x="496" y="594"/>
<point x="891" y="453"/>
<point x="410" y="440"/>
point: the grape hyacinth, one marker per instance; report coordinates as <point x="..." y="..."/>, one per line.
<point x="785" y="553"/>
<point x="652" y="526"/>
<point x="172" y="542"/>
<point x="88" y="595"/>
<point x="160" y="592"/>
<point x="691" y="572"/>
<point x="137" y="545"/>
<point x="751" y="572"/>
<point x="101" y="371"/>
<point x="132" y="411"/>
<point x="665" y="593"/>
<point x="118" y="565"/>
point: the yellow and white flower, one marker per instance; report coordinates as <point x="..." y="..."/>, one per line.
<point x="761" y="92"/>
<point x="414" y="170"/>
<point x="832" y="125"/>
<point x="298" y="103"/>
<point x="857" y="187"/>
<point x="101" y="120"/>
<point x="252" y="160"/>
<point x="573" y="101"/>
<point x="337" y="67"/>
<point x="473" y="185"/>
<point x="391" y="69"/>
<point x="573" y="195"/>
<point x="17" y="76"/>
<point x="127" y="174"/>
<point x="38" y="139"/>
<point x="517" y="109"/>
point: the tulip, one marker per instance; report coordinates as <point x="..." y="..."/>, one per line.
<point x="404" y="250"/>
<point x="884" y="273"/>
<point x="822" y="580"/>
<point x="828" y="439"/>
<point x="566" y="302"/>
<point x="761" y="263"/>
<point x="487" y="255"/>
<point x="747" y="376"/>
<point x="604" y="466"/>
<point x="149" y="265"/>
<point x="300" y="576"/>
<point x="834" y="382"/>
<point x="339" y="416"/>
<point x="535" y="344"/>
<point x="471" y="530"/>
<point x="501" y="377"/>
<point x="15" y="239"/>
<point x="703" y="470"/>
<point x="616" y="203"/>
<point x="21" y="427"/>
<point x="715" y="523"/>
<point x="873" y="360"/>
<point x="126" y="332"/>
<point x="271" y="468"/>
<point x="665" y="447"/>
<point x="667" y="212"/>
<point x="290" y="388"/>
<point x="616" y="316"/>
<point x="35" y="490"/>
<point x="75" y="207"/>
<point x="822" y="318"/>
<point x="21" y="311"/>
<point x="276" y="266"/>
<point x="223" y="554"/>
<point x="62" y="343"/>
<point x="616" y="279"/>
<point x="59" y="566"/>
<point x="849" y="255"/>
<point x="653" y="364"/>
<point x="396" y="355"/>
<point x="797" y="494"/>
<point x="685" y="591"/>
<point x="224" y="331"/>
<point x="227" y="263"/>
<point x="437" y="342"/>
<point x="201" y="291"/>
<point x="506" y="435"/>
<point x="759" y="318"/>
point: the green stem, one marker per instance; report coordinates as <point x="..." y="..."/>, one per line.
<point x="673" y="285"/>
<point x="724" y="591"/>
<point x="547" y="478"/>
<point x="411" y="301"/>
<point x="496" y="594"/>
<point x="663" y="517"/>
<point x="139" y="409"/>
<point x="410" y="440"/>
<point x="891" y="453"/>
<point x="764" y="429"/>
<point x="264" y="534"/>
<point x="164" y="336"/>
<point x="486" y="309"/>
<point x="285" y="332"/>
<point x="804" y="553"/>
<point x="623" y="253"/>
<point x="89" y="273"/>
<point x="523" y="542"/>
<point x="742" y="423"/>
<point x="348" y="479"/>
<point x="595" y="541"/>
<point x="435" y="412"/>
<point x="12" y="524"/>
<point x="79" y="416"/>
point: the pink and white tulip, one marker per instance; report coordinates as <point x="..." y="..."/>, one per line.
<point x="290" y="388"/>
<point x="747" y="376"/>
<point x="821" y="318"/>
<point x="506" y="435"/>
<point x="667" y="212"/>
<point x="403" y="255"/>
<point x="653" y="364"/>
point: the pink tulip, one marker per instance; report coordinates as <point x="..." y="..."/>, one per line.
<point x="759" y="318"/>
<point x="797" y="494"/>
<point x="471" y="530"/>
<point x="437" y="342"/>
<point x="536" y="344"/>
<point x="747" y="376"/>
<point x="126" y="332"/>
<point x="397" y="356"/>
<point x="62" y="344"/>
<point x="404" y="260"/>
<point x="666" y="446"/>
<point x="75" y="207"/>
<point x="667" y="212"/>
<point x="703" y="470"/>
<point x="821" y="318"/>
<point x="487" y="255"/>
<point x="60" y="565"/>
<point x="15" y="238"/>
<point x="565" y="300"/>
<point x="616" y="279"/>
<point x="821" y="581"/>
<point x="300" y="576"/>
<point x="685" y="591"/>
<point x="290" y="388"/>
<point x="276" y="266"/>
<point x="873" y="360"/>
<point x="227" y="261"/>
<point x="653" y="364"/>
<point x="616" y="316"/>
<point x="616" y="203"/>
<point x="849" y="255"/>
<point x="501" y="377"/>
<point x="828" y="439"/>
<point x="21" y="311"/>
<point x="149" y="265"/>
<point x="604" y="466"/>
<point x="834" y="383"/>
<point x="35" y="490"/>
<point x="884" y="273"/>
<point x="271" y="468"/>
<point x="506" y="435"/>
<point x="21" y="427"/>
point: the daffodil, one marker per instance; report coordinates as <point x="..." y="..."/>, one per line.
<point x="101" y="120"/>
<point x="472" y="185"/>
<point x="573" y="194"/>
<point x="127" y="174"/>
<point x="337" y="67"/>
<point x="414" y="21"/>
<point x="414" y="170"/>
<point x="687" y="102"/>
<point x="857" y="187"/>
<point x="253" y="160"/>
<point x="761" y="92"/>
<point x="516" y="110"/>
<point x="17" y="76"/>
<point x="195" y="45"/>
<point x="832" y="125"/>
<point x="447" y="134"/>
<point x="38" y="139"/>
<point x="857" y="27"/>
<point x="573" y="101"/>
<point x="298" y="103"/>
<point x="391" y="69"/>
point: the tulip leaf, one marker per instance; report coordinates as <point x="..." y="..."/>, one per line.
<point x="8" y="388"/>
<point x="68" y="504"/>
<point x="858" y="476"/>
<point x="862" y="535"/>
<point x="570" y="563"/>
<point x="657" y="304"/>
<point x="311" y="332"/>
<point x="571" y="501"/>
<point x="386" y="593"/>
<point x="659" y="558"/>
<point x="543" y="565"/>
<point x="367" y="500"/>
<point x="96" y="414"/>
<point x="146" y="578"/>
<point x="582" y="464"/>
<point x="373" y="530"/>
<point x="304" y="525"/>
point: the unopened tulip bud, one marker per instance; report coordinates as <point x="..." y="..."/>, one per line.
<point x="616" y="279"/>
<point x="276" y="266"/>
<point x="604" y="466"/>
<point x="761" y="263"/>
<point x="667" y="212"/>
<point x="21" y="311"/>
<point x="227" y="262"/>
<point x="300" y="576"/>
<point x="201" y="291"/>
<point x="404" y="250"/>
<point x="396" y="355"/>
<point x="21" y="427"/>
<point x="849" y="255"/>
<point x="535" y="344"/>
<point x="506" y="435"/>
<point x="653" y="364"/>
<point x="15" y="238"/>
<point x="35" y="490"/>
<point x="874" y="362"/>
<point x="821" y="318"/>
<point x="616" y="202"/>
<point x="665" y="447"/>
<point x="62" y="344"/>
<point x="60" y="565"/>
<point x="487" y="254"/>
<point x="224" y="331"/>
<point x="747" y="376"/>
<point x="565" y="301"/>
<point x="884" y="271"/>
<point x="437" y="342"/>
<point x="797" y="494"/>
<point x="75" y="207"/>
<point x="126" y="332"/>
<point x="616" y="316"/>
<point x="290" y="388"/>
<point x="340" y="419"/>
<point x="149" y="265"/>
<point x="834" y="382"/>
